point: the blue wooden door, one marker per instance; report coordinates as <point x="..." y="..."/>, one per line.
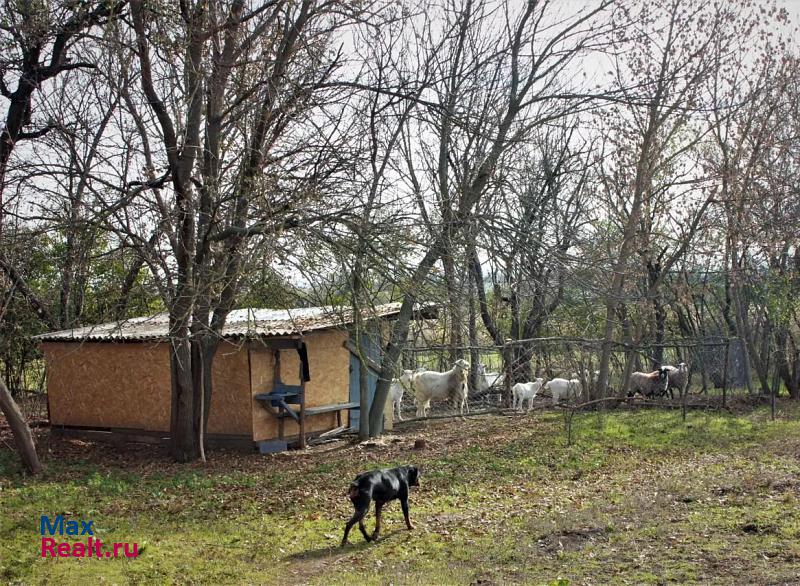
<point x="373" y="350"/>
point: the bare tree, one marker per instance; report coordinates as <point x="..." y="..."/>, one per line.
<point x="529" y="54"/>
<point x="663" y="74"/>
<point x="528" y="229"/>
<point x="37" y="44"/>
<point x="243" y="81"/>
<point x="753" y="141"/>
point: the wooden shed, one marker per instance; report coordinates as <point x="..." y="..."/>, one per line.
<point x="112" y="381"/>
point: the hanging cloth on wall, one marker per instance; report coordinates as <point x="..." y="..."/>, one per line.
<point x="302" y="351"/>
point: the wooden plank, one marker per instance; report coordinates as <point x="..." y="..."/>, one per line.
<point x="321" y="409"/>
<point x="331" y="408"/>
<point x="141" y="436"/>
<point x="339" y="430"/>
<point x="276" y="380"/>
<point x="276" y="398"/>
<point x="243" y="442"/>
<point x="279" y="343"/>
<point x="113" y="437"/>
<point x="285" y="389"/>
<point x="302" y="409"/>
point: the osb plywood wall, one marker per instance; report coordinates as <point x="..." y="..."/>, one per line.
<point x="329" y="362"/>
<point x="128" y="386"/>
<point x="230" y="399"/>
<point x="109" y="385"/>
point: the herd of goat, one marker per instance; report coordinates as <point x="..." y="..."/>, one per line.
<point x="426" y="386"/>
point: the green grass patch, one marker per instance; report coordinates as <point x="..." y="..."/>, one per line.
<point x="638" y="497"/>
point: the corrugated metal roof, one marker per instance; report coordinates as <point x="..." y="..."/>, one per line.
<point x="240" y="323"/>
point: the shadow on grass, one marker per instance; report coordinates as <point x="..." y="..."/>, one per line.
<point x="350" y="547"/>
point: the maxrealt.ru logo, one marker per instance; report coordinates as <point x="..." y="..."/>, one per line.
<point x="92" y="547"/>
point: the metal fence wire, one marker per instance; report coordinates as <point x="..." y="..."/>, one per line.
<point x="717" y="369"/>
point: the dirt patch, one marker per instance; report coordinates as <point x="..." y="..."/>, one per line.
<point x="571" y="539"/>
<point x="784" y="485"/>
<point x="725" y="490"/>
<point x="754" y="528"/>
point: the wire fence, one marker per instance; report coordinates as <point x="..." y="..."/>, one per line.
<point x="717" y="369"/>
<point x="718" y="375"/>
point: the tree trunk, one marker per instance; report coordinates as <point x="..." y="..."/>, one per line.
<point x="659" y="314"/>
<point x="20" y="430"/>
<point x="16" y="118"/>
<point x="608" y="337"/>
<point x="208" y="352"/>
<point x="508" y="359"/>
<point x="792" y="373"/>
<point x="399" y="337"/>
<point x="455" y="303"/>
<point x="363" y="396"/>
<point x="184" y="434"/>
<point x="521" y="356"/>
<point x="630" y="355"/>
<point x="763" y="364"/>
<point x="488" y="322"/>
<point x="201" y="376"/>
<point x="740" y="319"/>
<point x="614" y="294"/>
<point x="474" y="355"/>
<point x="204" y="349"/>
<point x="630" y="359"/>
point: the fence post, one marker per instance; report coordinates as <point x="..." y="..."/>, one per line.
<point x="776" y="384"/>
<point x="773" y="405"/>
<point x="725" y="373"/>
<point x="507" y="359"/>
<point x="684" y="392"/>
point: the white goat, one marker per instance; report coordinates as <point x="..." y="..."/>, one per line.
<point x="523" y="391"/>
<point x="676" y="378"/>
<point x="437" y="386"/>
<point x="563" y="389"/>
<point x="398" y="387"/>
<point x="590" y="377"/>
<point x="487" y="380"/>
<point x="649" y="383"/>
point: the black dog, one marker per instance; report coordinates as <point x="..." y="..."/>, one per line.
<point x="381" y="486"/>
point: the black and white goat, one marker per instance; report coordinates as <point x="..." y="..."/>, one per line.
<point x="649" y="384"/>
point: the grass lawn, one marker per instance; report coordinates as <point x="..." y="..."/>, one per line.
<point x="639" y="498"/>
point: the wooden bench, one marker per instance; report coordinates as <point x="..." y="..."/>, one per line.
<point x="338" y="408"/>
<point x="281" y="401"/>
<point x="330" y="408"/>
<point x="286" y="400"/>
